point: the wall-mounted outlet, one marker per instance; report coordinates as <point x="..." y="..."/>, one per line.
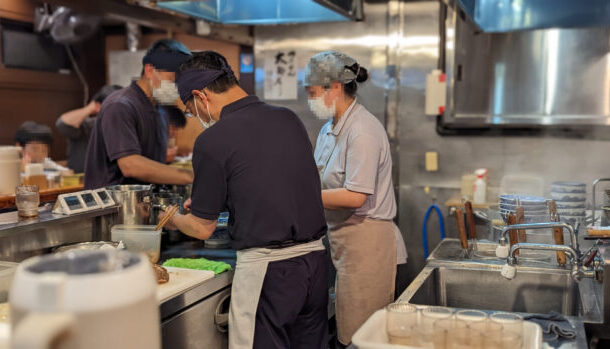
<point x="431" y="161"/>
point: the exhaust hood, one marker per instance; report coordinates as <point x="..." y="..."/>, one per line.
<point x="512" y="15"/>
<point x="261" y="12"/>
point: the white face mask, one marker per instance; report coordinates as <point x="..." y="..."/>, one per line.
<point x="319" y="108"/>
<point x="166" y="93"/>
<point x="203" y="123"/>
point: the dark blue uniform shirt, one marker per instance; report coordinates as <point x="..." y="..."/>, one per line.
<point x="257" y="162"/>
<point x="127" y="124"/>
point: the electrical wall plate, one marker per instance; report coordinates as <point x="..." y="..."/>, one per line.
<point x="103" y="197"/>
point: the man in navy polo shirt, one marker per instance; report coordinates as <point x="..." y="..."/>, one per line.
<point x="129" y="141"/>
<point x="256" y="160"/>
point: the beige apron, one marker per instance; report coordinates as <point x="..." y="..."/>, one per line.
<point x="364" y="254"/>
<point x="250" y="271"/>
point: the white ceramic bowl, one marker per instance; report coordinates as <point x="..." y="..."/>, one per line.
<point x="569" y="197"/>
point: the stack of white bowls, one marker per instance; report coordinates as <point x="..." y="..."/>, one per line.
<point x="534" y="207"/>
<point x="571" y="199"/>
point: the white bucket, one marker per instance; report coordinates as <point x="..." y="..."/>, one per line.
<point x="10" y="169"/>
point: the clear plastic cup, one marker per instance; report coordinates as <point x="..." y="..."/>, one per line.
<point x="471" y="316"/>
<point x="510" y="322"/>
<point x="401" y="324"/>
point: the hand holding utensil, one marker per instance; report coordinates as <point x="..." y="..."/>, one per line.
<point x="165" y="216"/>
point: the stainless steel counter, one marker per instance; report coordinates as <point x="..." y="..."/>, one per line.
<point x="197" y="318"/>
<point x="22" y="238"/>
<point x="195" y="294"/>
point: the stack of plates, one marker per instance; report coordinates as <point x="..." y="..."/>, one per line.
<point x="571" y="199"/>
<point x="534" y="207"/>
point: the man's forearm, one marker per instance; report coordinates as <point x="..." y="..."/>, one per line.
<point x="150" y="171"/>
<point x="195" y="227"/>
<point x="76" y="117"/>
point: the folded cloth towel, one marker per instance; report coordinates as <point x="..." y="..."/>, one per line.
<point x="555" y="327"/>
<point x="198" y="263"/>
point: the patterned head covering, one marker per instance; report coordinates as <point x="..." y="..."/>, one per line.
<point x="328" y="67"/>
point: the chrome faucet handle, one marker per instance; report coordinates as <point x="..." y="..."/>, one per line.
<point x="543" y="225"/>
<point x="578" y="271"/>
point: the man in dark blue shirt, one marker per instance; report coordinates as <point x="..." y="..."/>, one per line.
<point x="129" y="141"/>
<point x="256" y="160"/>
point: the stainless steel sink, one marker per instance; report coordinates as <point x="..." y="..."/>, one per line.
<point x="531" y="291"/>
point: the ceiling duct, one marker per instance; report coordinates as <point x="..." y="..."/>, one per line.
<point x="512" y="15"/>
<point x="266" y="12"/>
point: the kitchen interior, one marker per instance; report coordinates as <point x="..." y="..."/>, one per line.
<point x="497" y="116"/>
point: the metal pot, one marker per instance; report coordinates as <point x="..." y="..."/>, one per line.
<point x="135" y="203"/>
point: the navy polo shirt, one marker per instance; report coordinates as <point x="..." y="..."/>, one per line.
<point x="257" y="162"/>
<point x="127" y="124"/>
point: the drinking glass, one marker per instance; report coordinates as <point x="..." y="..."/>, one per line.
<point x="432" y="314"/>
<point x="464" y="338"/>
<point x="27" y="200"/>
<point x="444" y="329"/>
<point x="500" y="339"/>
<point x="471" y="316"/>
<point x="401" y="323"/>
<point x="485" y="326"/>
<point x="425" y="330"/>
<point x="510" y="322"/>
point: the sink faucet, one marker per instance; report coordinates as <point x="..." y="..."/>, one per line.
<point x="546" y="225"/>
<point x="578" y="271"/>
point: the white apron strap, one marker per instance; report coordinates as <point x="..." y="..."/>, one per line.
<point x="245" y="293"/>
<point x="250" y="271"/>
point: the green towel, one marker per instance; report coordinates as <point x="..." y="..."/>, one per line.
<point x="198" y="263"/>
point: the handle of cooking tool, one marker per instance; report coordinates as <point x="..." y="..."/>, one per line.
<point x="557" y="232"/>
<point x="512" y="234"/>
<point x="520" y="220"/>
<point x="590" y="258"/>
<point x="169" y="213"/>
<point x="221" y="316"/>
<point x="472" y="228"/>
<point x="459" y="217"/>
<point x="41" y="330"/>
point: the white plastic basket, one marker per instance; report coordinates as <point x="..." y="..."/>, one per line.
<point x="372" y="334"/>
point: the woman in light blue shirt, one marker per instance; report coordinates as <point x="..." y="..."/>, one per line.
<point x="353" y="157"/>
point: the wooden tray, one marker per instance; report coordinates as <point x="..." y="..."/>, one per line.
<point x="46" y="195"/>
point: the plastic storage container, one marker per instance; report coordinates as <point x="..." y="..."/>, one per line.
<point x="139" y="238"/>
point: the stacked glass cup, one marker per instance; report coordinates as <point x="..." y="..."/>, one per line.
<point x="441" y="328"/>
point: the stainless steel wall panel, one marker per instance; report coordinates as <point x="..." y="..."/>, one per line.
<point x="366" y="41"/>
<point x="545" y="77"/>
